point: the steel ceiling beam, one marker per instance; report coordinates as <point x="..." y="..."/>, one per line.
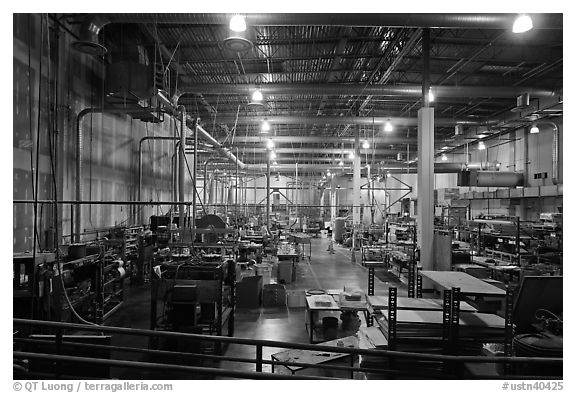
<point x="468" y="21"/>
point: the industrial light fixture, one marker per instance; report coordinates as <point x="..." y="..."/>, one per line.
<point x="444" y="157"/>
<point x="265" y="126"/>
<point x="522" y="24"/>
<point x="272" y="155"/>
<point x="341" y="163"/>
<point x="388" y="174"/>
<point x="388" y="127"/>
<point x="365" y="144"/>
<point x="430" y="96"/>
<point x="274" y="163"/>
<point x="257" y="96"/>
<point x="481" y="146"/>
<point x="351" y="155"/>
<point x="534" y="129"/>
<point x="270" y="144"/>
<point x="328" y="172"/>
<point x="238" y="23"/>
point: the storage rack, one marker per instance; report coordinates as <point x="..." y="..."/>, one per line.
<point x="215" y="284"/>
<point x="450" y="323"/>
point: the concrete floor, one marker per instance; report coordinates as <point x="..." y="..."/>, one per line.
<point x="322" y="270"/>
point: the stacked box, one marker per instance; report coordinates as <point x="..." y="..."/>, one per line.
<point x="273" y="295"/>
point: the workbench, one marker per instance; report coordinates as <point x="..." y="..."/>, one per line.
<point x="327" y="302"/>
<point x="316" y="357"/>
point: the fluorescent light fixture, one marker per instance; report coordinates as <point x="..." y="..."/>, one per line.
<point x="351" y="155"/>
<point x="522" y="24"/>
<point x="265" y="126"/>
<point x="365" y="144"/>
<point x="388" y="127"/>
<point x="444" y="157"/>
<point x="341" y="163"/>
<point x="270" y="144"/>
<point x="257" y="96"/>
<point x="430" y="96"/>
<point x="534" y="129"/>
<point x="238" y="23"/>
<point x="481" y="136"/>
<point x="481" y="146"/>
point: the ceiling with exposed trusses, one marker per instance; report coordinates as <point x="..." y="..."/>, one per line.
<point x="323" y="77"/>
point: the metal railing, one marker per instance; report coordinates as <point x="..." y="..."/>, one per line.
<point x="59" y="344"/>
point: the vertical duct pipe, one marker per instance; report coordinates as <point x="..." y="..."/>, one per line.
<point x="181" y="168"/>
<point x="296" y="197"/>
<point x="195" y="173"/>
<point x="555" y="154"/>
<point x="79" y="162"/>
<point x="236" y="194"/>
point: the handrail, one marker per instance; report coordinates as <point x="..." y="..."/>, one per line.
<point x="281" y="344"/>
<point x="160" y="366"/>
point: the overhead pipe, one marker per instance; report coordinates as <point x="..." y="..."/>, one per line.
<point x="340" y="120"/>
<point x="201" y="132"/>
<point x="354" y="89"/>
<point x="439" y="167"/>
<point x="305" y="139"/>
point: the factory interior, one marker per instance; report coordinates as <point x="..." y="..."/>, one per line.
<point x="357" y="196"/>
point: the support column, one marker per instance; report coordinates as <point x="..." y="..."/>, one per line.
<point x="268" y="193"/>
<point x="425" y="233"/>
<point x="356" y="180"/>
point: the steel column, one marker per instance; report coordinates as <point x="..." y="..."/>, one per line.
<point x="268" y="193"/>
<point x="425" y="233"/>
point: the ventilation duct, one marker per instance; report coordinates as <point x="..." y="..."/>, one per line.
<point x="522" y="103"/>
<point x="477" y="178"/>
<point x="129" y="76"/>
<point x="458" y="130"/>
<point x="322" y="89"/>
<point x="89" y="42"/>
<point x="339" y="120"/>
